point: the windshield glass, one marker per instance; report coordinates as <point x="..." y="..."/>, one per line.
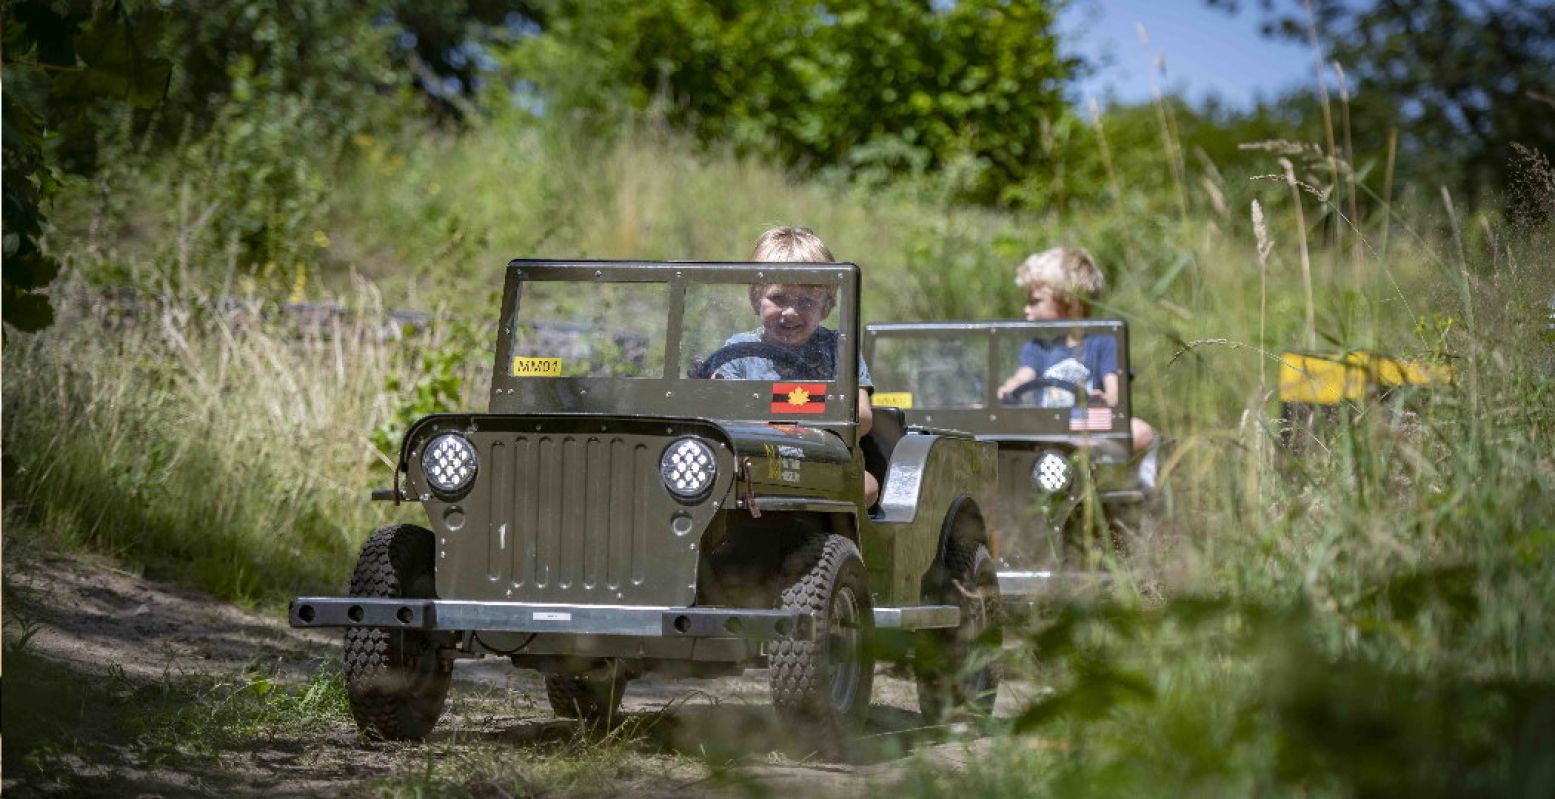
<point x="1056" y="368"/>
<point x="931" y="372"/>
<point x="736" y="331"/>
<point x="576" y="329"/>
<point x="728" y="331"/>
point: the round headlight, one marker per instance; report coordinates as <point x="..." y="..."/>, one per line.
<point x="1052" y="472"/>
<point x="688" y="468"/>
<point x="449" y="462"/>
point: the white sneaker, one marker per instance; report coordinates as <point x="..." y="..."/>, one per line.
<point x="1146" y="470"/>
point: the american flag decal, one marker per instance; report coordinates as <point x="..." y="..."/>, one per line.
<point x="790" y="398"/>
<point x="1091" y="417"/>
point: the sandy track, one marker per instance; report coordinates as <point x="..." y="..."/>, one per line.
<point x="99" y="623"/>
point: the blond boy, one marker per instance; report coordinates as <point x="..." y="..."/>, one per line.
<point x="1060" y="283"/>
<point x="791" y="317"/>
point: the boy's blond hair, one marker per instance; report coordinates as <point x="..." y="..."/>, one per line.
<point x="786" y="244"/>
<point x="1069" y="271"/>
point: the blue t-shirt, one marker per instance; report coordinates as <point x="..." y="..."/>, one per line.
<point x="819" y="355"/>
<point x="1053" y="358"/>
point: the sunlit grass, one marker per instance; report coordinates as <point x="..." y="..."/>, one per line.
<point x="1403" y="558"/>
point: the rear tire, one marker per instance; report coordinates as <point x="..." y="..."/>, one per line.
<point x="593" y="698"/>
<point x="395" y="679"/>
<point x="821" y="688"/>
<point x="943" y="660"/>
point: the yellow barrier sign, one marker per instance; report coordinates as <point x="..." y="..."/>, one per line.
<point x="1331" y="379"/>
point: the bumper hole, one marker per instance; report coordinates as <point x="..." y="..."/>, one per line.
<point x="404" y="615"/>
<point x="305" y="613"/>
<point x="354" y="613"/>
<point x="733" y="626"/>
<point x="682" y="624"/>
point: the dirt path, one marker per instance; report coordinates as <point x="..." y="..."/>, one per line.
<point x="93" y="652"/>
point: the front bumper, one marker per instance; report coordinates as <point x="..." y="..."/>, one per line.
<point x="527" y="617"/>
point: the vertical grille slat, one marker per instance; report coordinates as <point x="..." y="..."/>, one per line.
<point x="596" y="497"/>
<point x="573" y="527"/>
<point x="526" y="516"/>
<point x="639" y="517"/>
<point x="498" y="559"/>
<point x="547" y="530"/>
<point x="622" y="484"/>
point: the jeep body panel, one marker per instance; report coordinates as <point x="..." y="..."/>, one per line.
<point x="928" y="473"/>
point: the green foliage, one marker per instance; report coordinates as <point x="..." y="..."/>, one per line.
<point x="199" y="447"/>
<point x="62" y="62"/>
<point x="65" y="717"/>
<point x="881" y="88"/>
<point x="437" y="386"/>
<point x="1460" y="81"/>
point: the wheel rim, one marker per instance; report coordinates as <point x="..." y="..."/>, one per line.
<point x="843" y="644"/>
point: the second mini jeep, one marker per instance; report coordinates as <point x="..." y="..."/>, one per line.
<point x="1059" y="442"/>
<point x="626" y="506"/>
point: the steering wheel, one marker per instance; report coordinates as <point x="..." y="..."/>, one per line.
<point x="749" y="349"/>
<point x="1016" y="394"/>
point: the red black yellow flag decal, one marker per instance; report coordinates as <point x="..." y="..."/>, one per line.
<point x="798" y="398"/>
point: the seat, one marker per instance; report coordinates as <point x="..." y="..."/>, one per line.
<point x="890" y="424"/>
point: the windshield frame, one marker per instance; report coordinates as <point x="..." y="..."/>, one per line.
<point x="994" y="421"/>
<point x="671" y="394"/>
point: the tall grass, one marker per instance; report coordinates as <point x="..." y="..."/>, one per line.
<point x="1370" y="605"/>
<point x="222" y="447"/>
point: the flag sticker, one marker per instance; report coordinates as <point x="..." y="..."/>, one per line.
<point x="1092" y="417"/>
<point x="536" y="367"/>
<point x="798" y="398"/>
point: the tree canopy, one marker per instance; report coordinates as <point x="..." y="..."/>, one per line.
<point x="1461" y="81"/>
<point x="868" y="85"/>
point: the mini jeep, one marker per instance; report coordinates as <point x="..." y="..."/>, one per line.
<point x="1057" y="443"/>
<point x="616" y="512"/>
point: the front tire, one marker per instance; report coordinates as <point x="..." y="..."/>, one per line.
<point x="395" y="679"/>
<point x="943" y="660"/>
<point x="821" y="688"/>
<point x="593" y="698"/>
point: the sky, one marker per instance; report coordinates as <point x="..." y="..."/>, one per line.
<point x="1206" y="51"/>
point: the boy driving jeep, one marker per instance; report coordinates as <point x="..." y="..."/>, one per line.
<point x="1060" y="283"/>
<point x="791" y="319"/>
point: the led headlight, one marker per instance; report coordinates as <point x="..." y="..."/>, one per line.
<point x="688" y="468"/>
<point x="449" y="462"/>
<point x="1052" y="472"/>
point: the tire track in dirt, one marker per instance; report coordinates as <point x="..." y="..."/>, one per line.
<point x="88" y="625"/>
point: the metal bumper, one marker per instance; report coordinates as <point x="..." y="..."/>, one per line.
<point x="1050" y="585"/>
<point x="527" y="617"/>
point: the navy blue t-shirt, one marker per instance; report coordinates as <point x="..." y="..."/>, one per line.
<point x="1053" y="358"/>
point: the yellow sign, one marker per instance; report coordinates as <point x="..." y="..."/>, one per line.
<point x="1329" y="380"/>
<point x="892" y="399"/>
<point x="536" y="367"/>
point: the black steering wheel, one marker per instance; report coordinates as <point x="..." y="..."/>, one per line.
<point x="749" y="349"/>
<point x="1016" y="394"/>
